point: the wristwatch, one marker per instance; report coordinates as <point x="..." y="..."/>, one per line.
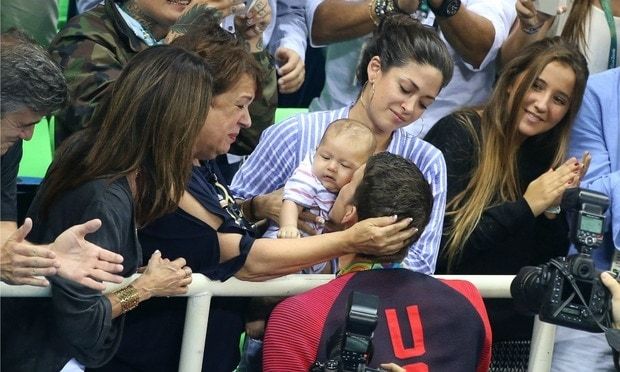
<point x="554" y="210"/>
<point x="447" y="9"/>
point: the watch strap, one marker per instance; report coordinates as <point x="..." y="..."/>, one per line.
<point x="447" y="9"/>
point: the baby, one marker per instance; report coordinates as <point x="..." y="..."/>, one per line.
<point x="314" y="185"/>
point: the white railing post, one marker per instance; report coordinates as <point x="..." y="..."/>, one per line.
<point x="541" y="347"/>
<point x="194" y="332"/>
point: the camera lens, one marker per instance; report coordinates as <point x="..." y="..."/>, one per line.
<point x="527" y="289"/>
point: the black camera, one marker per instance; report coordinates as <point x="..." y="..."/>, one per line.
<point x="350" y="349"/>
<point x="567" y="290"/>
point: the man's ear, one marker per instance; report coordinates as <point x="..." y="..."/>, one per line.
<point x="350" y="216"/>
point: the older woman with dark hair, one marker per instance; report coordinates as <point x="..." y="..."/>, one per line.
<point x="125" y="170"/>
<point x="211" y="232"/>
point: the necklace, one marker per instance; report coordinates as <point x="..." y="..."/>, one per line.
<point x="364" y="266"/>
<point x="140" y="24"/>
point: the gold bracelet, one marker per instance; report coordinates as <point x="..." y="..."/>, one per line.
<point x="372" y="12"/>
<point x="128" y="298"/>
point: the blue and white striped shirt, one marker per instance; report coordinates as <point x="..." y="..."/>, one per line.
<point x="282" y="147"/>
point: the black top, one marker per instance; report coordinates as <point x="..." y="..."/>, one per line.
<point x="508" y="235"/>
<point x="43" y="334"/>
<point x="153" y="331"/>
<point x="9" y="163"/>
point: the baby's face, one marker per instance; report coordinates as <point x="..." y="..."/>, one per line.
<point x="335" y="161"/>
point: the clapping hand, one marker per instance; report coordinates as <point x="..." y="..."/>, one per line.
<point x="548" y="188"/>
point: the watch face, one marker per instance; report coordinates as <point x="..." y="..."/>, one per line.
<point x="453" y="7"/>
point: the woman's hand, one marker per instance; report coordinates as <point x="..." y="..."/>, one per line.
<point x="585" y="164"/>
<point x="380" y="236"/>
<point x="268" y="206"/>
<point x="550" y="186"/>
<point x="163" y="277"/>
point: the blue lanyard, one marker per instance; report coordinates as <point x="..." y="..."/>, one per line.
<point x="613" y="48"/>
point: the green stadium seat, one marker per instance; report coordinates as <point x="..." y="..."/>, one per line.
<point x="283" y="113"/>
<point x="37" y="152"/>
<point x="63" y="11"/>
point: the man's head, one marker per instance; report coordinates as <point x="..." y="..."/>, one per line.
<point x="387" y="185"/>
<point x="345" y="146"/>
<point x="32" y="86"/>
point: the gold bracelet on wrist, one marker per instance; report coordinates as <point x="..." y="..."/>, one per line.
<point x="128" y="298"/>
<point x="373" y="13"/>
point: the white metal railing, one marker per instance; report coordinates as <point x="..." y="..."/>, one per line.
<point x="202" y="290"/>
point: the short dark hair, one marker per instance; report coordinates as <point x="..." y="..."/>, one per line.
<point x="29" y="77"/>
<point x="393" y="185"/>
<point x="400" y="39"/>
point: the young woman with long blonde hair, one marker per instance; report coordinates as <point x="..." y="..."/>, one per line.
<point x="506" y="166"/>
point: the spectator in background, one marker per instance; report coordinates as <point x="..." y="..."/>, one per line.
<point x="587" y="23"/>
<point x="448" y="331"/>
<point x="124" y="170"/>
<point x="37" y="18"/>
<point x="94" y="46"/>
<point x="473" y="31"/>
<point x="597" y="131"/>
<point x="507" y="169"/>
<point x="33" y="86"/>
<point x="288" y="43"/>
<point x="404" y="67"/>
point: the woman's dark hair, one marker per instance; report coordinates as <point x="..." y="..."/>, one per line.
<point x="400" y="39"/>
<point x="147" y="123"/>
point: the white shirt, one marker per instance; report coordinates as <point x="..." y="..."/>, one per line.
<point x="469" y="86"/>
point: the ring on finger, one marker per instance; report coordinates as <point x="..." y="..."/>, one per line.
<point x="34" y="272"/>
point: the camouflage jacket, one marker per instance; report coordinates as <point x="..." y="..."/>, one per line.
<point x="93" y="48"/>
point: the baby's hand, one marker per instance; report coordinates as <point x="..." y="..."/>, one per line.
<point x="288" y="232"/>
